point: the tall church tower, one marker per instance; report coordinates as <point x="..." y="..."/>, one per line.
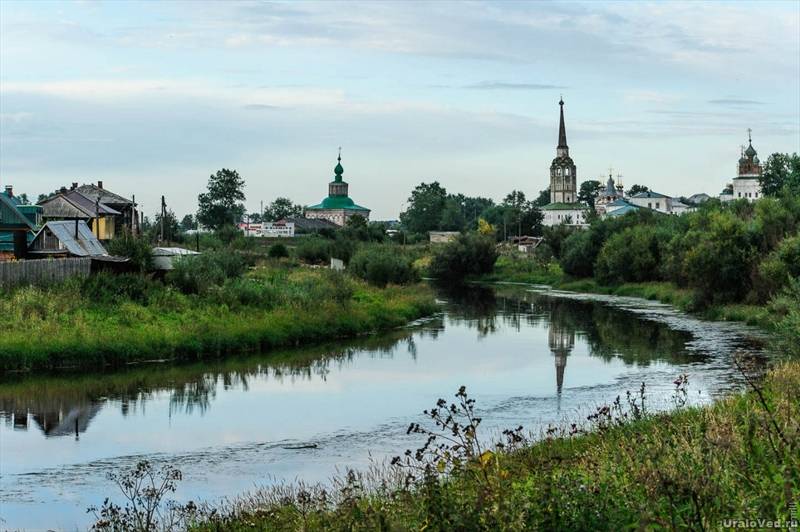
<point x="563" y="178"/>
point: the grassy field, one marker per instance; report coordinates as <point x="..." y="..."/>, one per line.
<point x="626" y="469"/>
<point x="111" y="322"/>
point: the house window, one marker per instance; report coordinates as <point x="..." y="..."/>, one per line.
<point x="740" y="194"/>
<point x="649" y="205"/>
<point x="658" y="205"/>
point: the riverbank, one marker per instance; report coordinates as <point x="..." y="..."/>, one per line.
<point x="111" y="322"/>
<point x="694" y="468"/>
<point x="512" y="270"/>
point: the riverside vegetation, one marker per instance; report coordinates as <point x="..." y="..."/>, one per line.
<point x="208" y="306"/>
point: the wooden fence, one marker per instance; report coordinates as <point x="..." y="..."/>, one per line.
<point x="43" y="271"/>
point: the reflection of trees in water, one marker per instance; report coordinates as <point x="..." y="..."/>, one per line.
<point x="66" y="404"/>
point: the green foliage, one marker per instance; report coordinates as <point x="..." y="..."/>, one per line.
<point x="278" y="251"/>
<point x="778" y="269"/>
<point x="222" y="204"/>
<point x="578" y="253"/>
<point x="382" y="265"/>
<point x="282" y="208"/>
<point x="197" y="274"/>
<point x="632" y="255"/>
<point x="110" y="320"/>
<point x="469" y="254"/>
<point x="588" y="192"/>
<point x="424" y="208"/>
<point x="635" y="189"/>
<point x="781" y="175"/>
<point x="624" y="469"/>
<point x="138" y="250"/>
<point x="314" y="250"/>
<point x="786" y="308"/>
<point x="228" y="233"/>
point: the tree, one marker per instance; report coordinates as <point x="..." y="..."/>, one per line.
<point x="187" y="223"/>
<point x="425" y="206"/>
<point x="171" y="228"/>
<point x="222" y="204"/>
<point x="588" y="192"/>
<point x="781" y="171"/>
<point x="282" y="208"/>
<point x="543" y="199"/>
<point x="255" y="217"/>
<point x="452" y="218"/>
<point x="635" y="189"/>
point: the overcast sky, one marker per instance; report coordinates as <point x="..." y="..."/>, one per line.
<point x="153" y="97"/>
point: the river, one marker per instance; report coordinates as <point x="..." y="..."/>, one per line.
<point x="529" y="357"/>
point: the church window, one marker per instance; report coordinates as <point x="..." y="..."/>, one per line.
<point x="558" y="171"/>
<point x="566" y="171"/>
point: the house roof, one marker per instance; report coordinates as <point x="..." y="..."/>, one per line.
<point x="619" y="202"/>
<point x="623" y="210"/>
<point x="565" y="207"/>
<point x="11" y="217"/>
<point x="74" y="204"/>
<point x="95" y="193"/>
<point x="309" y="223"/>
<point x="84" y="245"/>
<point x="649" y="194"/>
<point x="337" y="202"/>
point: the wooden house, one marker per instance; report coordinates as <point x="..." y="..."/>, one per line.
<point x="128" y="217"/>
<point x="74" y="205"/>
<point x="66" y="238"/>
<point x="17" y="225"/>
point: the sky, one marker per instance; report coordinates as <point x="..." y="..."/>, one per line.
<point x="153" y="97"/>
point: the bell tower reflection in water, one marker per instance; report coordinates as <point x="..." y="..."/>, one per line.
<point x="561" y="341"/>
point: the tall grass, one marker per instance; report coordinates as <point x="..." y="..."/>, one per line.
<point x="693" y="469"/>
<point x="105" y="322"/>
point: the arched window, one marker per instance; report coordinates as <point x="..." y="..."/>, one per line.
<point x="566" y="171"/>
<point x="558" y="171"/>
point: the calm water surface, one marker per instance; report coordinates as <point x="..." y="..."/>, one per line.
<point x="528" y="356"/>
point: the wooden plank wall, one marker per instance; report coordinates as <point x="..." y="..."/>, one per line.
<point x="43" y="271"/>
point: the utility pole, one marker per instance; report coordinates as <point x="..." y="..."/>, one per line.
<point x="163" y="211"/>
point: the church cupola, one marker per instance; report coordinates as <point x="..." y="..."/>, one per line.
<point x="749" y="165"/>
<point x="338" y="187"/>
<point x="563" y="178"/>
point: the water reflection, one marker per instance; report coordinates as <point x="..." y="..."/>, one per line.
<point x="66" y="405"/>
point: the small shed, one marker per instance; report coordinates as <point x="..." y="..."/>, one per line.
<point x="163" y="258"/>
<point x="66" y="238"/>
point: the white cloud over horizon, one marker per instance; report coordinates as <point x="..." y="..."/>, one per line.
<point x="153" y="98"/>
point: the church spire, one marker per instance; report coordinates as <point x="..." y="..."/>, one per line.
<point x="562" y="149"/>
<point x="562" y="131"/>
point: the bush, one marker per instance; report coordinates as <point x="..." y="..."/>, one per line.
<point x="278" y="251"/>
<point x="108" y="288"/>
<point x="138" y="250"/>
<point x="228" y="233"/>
<point x="314" y="250"/>
<point x="195" y="274"/>
<point x="633" y="255"/>
<point x="778" y="268"/>
<point x="468" y="254"/>
<point x="578" y="254"/>
<point x="383" y="265"/>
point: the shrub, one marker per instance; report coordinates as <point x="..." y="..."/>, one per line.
<point x="468" y="254"/>
<point x="778" y="268"/>
<point x="383" y="265"/>
<point x="314" y="250"/>
<point x="108" y="288"/>
<point x="578" y="254"/>
<point x="195" y="274"/>
<point x="228" y="233"/>
<point x="138" y="250"/>
<point x="633" y="255"/>
<point x="278" y="251"/>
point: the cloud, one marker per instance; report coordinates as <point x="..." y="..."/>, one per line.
<point x="259" y="107"/>
<point x="502" y="85"/>
<point x="734" y="102"/>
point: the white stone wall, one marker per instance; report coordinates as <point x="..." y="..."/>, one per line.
<point x="558" y="217"/>
<point x="337" y="216"/>
<point x="746" y="188"/>
<point x="657" y="204"/>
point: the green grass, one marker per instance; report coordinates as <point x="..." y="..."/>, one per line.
<point x="61" y="326"/>
<point x="691" y="469"/>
